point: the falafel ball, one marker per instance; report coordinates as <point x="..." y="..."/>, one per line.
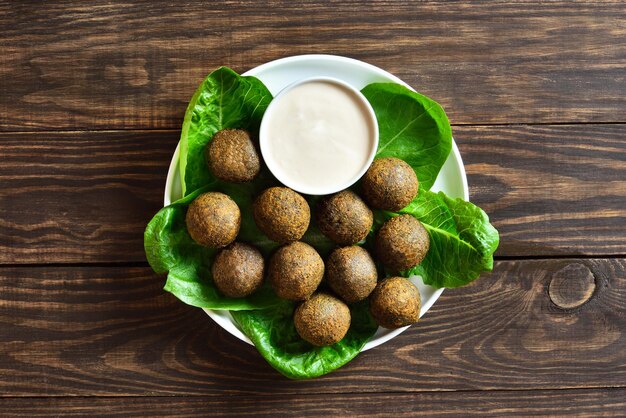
<point x="238" y="270"/>
<point x="213" y="220"/>
<point x="351" y="273"/>
<point x="295" y="271"/>
<point x="322" y="320"/>
<point x="232" y="156"/>
<point x="389" y="184"/>
<point x="395" y="303"/>
<point x="344" y="218"/>
<point x="282" y="214"/>
<point x="401" y="243"/>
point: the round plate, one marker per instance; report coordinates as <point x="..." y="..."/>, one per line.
<point x="278" y="74"/>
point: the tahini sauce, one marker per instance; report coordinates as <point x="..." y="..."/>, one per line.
<point x="319" y="134"/>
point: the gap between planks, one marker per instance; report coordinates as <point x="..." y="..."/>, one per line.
<point x="322" y="393"/>
<point x="160" y="130"/>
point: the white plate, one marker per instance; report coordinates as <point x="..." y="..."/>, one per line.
<point x="278" y="74"/>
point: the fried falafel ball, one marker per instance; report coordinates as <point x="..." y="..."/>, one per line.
<point x="295" y="271"/>
<point x="238" y="270"/>
<point x="351" y="273"/>
<point x="395" y="303"/>
<point x="232" y="156"/>
<point x="344" y="217"/>
<point x="213" y="220"/>
<point x="322" y="320"/>
<point x="389" y="184"/>
<point x="282" y="214"/>
<point x="401" y="243"/>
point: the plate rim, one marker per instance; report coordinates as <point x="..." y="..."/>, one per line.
<point x="223" y="318"/>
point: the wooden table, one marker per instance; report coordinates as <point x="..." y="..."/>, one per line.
<point x="92" y="98"/>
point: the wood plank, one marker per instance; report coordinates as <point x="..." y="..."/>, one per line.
<point x="550" y="190"/>
<point x="87" y="196"/>
<point x="554" y="403"/>
<point x="130" y="65"/>
<point x="80" y="196"/>
<point x="109" y="331"/>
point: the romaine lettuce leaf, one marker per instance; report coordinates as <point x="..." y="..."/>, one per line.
<point x="169" y="248"/>
<point x="224" y="100"/>
<point x="411" y="127"/>
<point x="273" y="333"/>
<point x="462" y="241"/>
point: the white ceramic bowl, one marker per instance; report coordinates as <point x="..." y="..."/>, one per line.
<point x="292" y="182"/>
<point x="276" y="75"/>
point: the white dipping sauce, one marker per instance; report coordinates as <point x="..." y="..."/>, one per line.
<point x="319" y="136"/>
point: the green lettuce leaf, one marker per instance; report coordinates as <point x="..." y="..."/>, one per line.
<point x="170" y="249"/>
<point x="462" y="241"/>
<point x="224" y="100"/>
<point x="411" y="127"/>
<point x="273" y="333"/>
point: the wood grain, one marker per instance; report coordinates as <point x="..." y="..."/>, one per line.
<point x="550" y="190"/>
<point x="80" y="196"/>
<point x="128" y="65"/>
<point x="87" y="196"/>
<point x="554" y="403"/>
<point x="109" y="331"/>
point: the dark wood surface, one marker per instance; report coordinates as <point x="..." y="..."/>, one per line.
<point x="91" y="102"/>
<point x="554" y="403"/>
<point x="111" y="330"/>
<point x="136" y="66"/>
